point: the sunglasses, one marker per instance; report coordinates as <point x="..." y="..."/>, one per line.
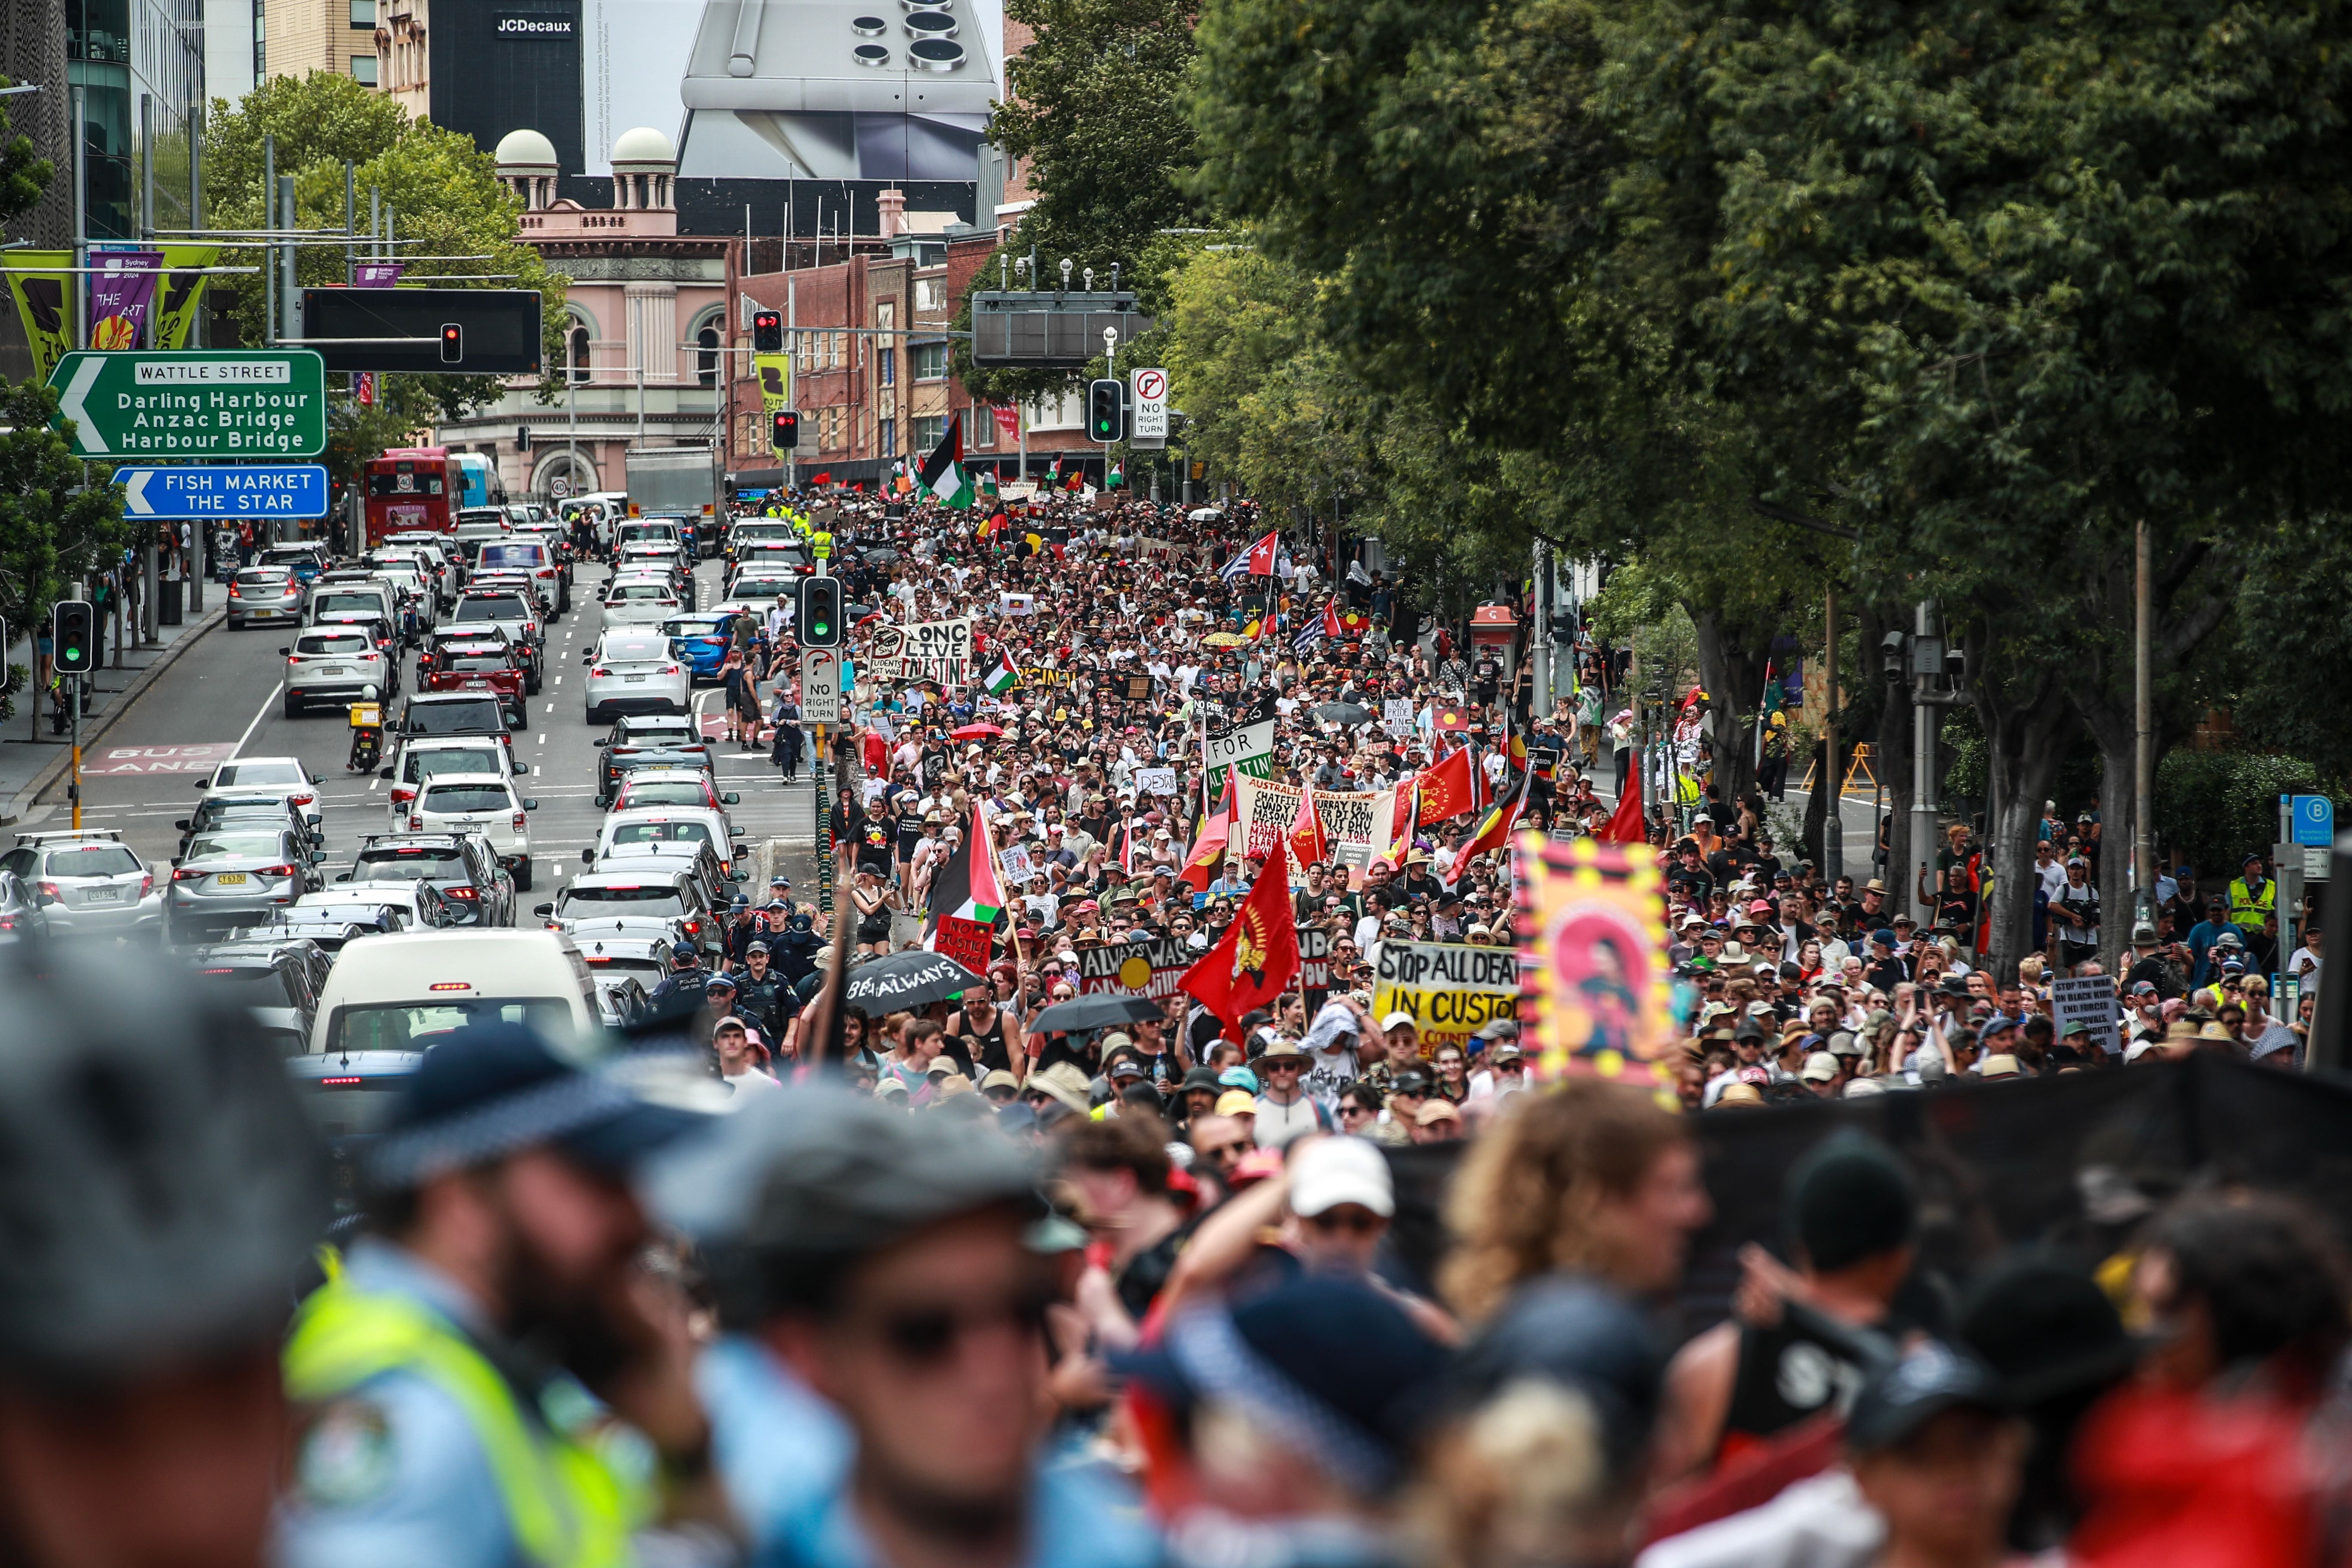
<point x="928" y="1335"/>
<point x="1233" y="1150"/>
<point x="1360" y="1224"/>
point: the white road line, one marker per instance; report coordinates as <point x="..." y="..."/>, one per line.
<point x="266" y="703"/>
<point x="551" y="708"/>
<point x="374" y="784"/>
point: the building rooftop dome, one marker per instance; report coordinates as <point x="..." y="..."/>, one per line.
<point x="644" y="145"/>
<point x="525" y="150"/>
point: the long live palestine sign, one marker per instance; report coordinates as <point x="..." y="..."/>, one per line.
<point x="204" y="403"/>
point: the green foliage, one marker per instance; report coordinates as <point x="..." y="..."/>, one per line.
<point x="444" y="190"/>
<point x="24" y="177"/>
<point x="2214" y="807"/>
<point x="54" y="526"/>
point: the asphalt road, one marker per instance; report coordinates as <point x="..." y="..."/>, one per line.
<point x="224" y="700"/>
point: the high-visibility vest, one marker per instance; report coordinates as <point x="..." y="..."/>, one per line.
<point x="2243" y="901"/>
<point x="567" y="1507"/>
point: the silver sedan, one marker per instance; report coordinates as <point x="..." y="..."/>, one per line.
<point x="263" y="593"/>
<point x="231" y="879"/>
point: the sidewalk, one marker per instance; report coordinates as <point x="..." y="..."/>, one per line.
<point x="32" y="760"/>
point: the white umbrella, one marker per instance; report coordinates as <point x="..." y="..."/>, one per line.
<point x="1206" y="514"/>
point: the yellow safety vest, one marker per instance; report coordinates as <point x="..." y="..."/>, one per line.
<point x="566" y="1505"/>
<point x="2243" y="902"/>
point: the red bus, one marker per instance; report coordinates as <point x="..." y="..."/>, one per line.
<point x="410" y="489"/>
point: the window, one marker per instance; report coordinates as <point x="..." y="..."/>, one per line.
<point x="980" y="426"/>
<point x="886" y="362"/>
<point x="930" y="294"/>
<point x="840" y="348"/>
<point x="929" y="361"/>
<point x="889" y="433"/>
<point x="363" y="13"/>
<point x="364" y="70"/>
<point x="706" y="357"/>
<point x="579" y="354"/>
<point x="928" y="431"/>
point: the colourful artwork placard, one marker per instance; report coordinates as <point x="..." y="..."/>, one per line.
<point x="1592" y="930"/>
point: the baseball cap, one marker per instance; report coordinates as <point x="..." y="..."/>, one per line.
<point x="1896" y="1402"/>
<point x="1395" y="1019"/>
<point x="1819" y="1068"/>
<point x="1236" y="1102"/>
<point x="1334" y="1170"/>
<point x="1435" y="1109"/>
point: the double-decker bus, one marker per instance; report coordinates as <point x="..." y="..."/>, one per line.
<point x="423" y="487"/>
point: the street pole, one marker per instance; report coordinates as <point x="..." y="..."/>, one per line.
<point x="792" y="340"/>
<point x="81" y="131"/>
<point x="1540" y="635"/>
<point x="1833" y="777"/>
<point x="149" y="574"/>
<point x="289" y="300"/>
<point x="2144" y="739"/>
<point x="269" y="252"/>
<point x="1925" y="715"/>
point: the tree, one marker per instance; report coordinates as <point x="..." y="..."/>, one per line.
<point x="55" y="525"/>
<point x="24" y="177"/>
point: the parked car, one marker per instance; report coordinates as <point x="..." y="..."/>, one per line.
<point x="87" y="882"/>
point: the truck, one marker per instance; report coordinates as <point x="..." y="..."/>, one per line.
<point x="689" y="482"/>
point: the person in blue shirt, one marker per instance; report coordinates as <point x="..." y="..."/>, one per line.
<point x="2204" y="934"/>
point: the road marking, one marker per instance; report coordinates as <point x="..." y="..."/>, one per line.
<point x="263" y="712"/>
<point x="551" y="708"/>
<point x="374" y="784"/>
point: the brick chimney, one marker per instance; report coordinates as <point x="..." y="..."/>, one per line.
<point x="892" y="204"/>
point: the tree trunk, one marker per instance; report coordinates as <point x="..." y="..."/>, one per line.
<point x="2116" y="730"/>
<point x="1734" y="676"/>
<point x="2021" y="758"/>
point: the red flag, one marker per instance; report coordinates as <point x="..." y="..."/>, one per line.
<point x="823" y="479"/>
<point x="1331" y="620"/>
<point x="1307" y="830"/>
<point x="1447" y="790"/>
<point x="1626" y="824"/>
<point x="1209" y="849"/>
<point x="1254" y="962"/>
<point x="1493" y="833"/>
<point x="1264" y="554"/>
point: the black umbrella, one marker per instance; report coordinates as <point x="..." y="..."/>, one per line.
<point x="1099" y="1012"/>
<point x="907" y="980"/>
<point x="1343" y="713"/>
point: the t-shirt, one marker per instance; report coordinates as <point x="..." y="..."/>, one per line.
<point x="1278" y="1124"/>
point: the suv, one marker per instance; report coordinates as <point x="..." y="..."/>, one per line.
<point x="512" y="614"/>
<point x="430" y="756"/>
<point x="369" y="599"/>
<point x="475" y="665"/>
<point x="665" y="889"/>
<point x="483" y="803"/>
<point x="217" y="813"/>
<point x="285" y="777"/>
<point x="336" y="664"/>
<point x="276" y="976"/>
<point x="676" y="735"/>
<point x="441" y="714"/>
<point x="461" y="866"/>
<point x="86" y="881"/>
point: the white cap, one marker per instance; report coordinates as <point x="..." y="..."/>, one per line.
<point x="1334" y="1170"/>
<point x="1394" y="1019"/>
<point x="1861" y="1087"/>
<point x="1819" y="1068"/>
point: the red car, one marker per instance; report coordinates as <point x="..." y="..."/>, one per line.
<point x="475" y="667"/>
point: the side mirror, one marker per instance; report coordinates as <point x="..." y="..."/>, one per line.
<point x="288" y="651"/>
<point x="544" y="911"/>
<point x="182" y="825"/>
<point x="522" y="768"/>
<point x="175" y="859"/>
<point x="730" y="798"/>
<point x="588" y="856"/>
<point x="203" y="784"/>
<point x="383" y="773"/>
<point x="738" y="876"/>
<point x="739" y="851"/>
<point x="531" y="806"/>
<point x="344" y="878"/>
<point x="318" y="839"/>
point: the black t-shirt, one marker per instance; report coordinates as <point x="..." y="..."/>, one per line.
<point x="909" y="827"/>
<point x="1886" y="973"/>
<point x="1140" y="1282"/>
<point x="1691" y="881"/>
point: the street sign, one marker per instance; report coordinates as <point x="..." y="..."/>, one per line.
<point x="558" y="487"/>
<point x="820" y="686"/>
<point x="200" y="402"/>
<point x="1150" y="414"/>
<point x="228" y="491"/>
<point x="2315" y="819"/>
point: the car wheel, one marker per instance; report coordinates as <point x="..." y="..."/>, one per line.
<point x="293" y="706"/>
<point x="522" y="876"/>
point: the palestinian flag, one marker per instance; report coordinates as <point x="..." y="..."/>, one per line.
<point x="966" y="899"/>
<point x="1117" y="476"/>
<point x="1001" y="678"/>
<point x="1054" y="475"/>
<point x="942" y="473"/>
<point x="988" y="483"/>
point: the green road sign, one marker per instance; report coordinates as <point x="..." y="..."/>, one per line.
<point x="198" y="402"/>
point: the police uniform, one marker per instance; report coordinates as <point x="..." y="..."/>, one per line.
<point x="2247" y="907"/>
<point x="429" y="1442"/>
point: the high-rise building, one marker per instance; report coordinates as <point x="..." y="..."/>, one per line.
<point x="296" y="38"/>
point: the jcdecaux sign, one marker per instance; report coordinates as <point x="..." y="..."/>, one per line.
<point x="257" y="403"/>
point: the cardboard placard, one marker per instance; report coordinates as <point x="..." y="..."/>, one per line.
<point x="2090" y="1001"/>
<point x="1452" y="989"/>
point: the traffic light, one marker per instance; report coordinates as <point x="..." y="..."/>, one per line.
<point x="768" y="332"/>
<point x="784" y="429"/>
<point x="74" y="625"/>
<point x="522" y="437"/>
<point x="1106" y="411"/>
<point x="821" y="612"/>
<point x="453" y="344"/>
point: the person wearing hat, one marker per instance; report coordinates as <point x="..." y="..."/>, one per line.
<point x="891" y="1266"/>
<point x="500" y="1215"/>
<point x="2252" y="895"/>
<point x="681" y="989"/>
<point x="1438" y="1122"/>
<point x="1823" y="1076"/>
<point x="1936" y="1454"/>
<point x="1850" y="1218"/>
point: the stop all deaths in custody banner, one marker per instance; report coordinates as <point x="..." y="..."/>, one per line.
<point x="1452" y="989"/>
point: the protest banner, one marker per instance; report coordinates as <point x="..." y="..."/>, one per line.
<point x="927" y="650"/>
<point x="1357" y="826"/>
<point x="1014" y="860"/>
<point x="1591" y="927"/>
<point x="1396" y="716"/>
<point x="1452" y="989"/>
<point x="2089" y="1001"/>
<point x="1134" y="968"/>
<point x="1018" y="603"/>
<point x="1155" y="781"/>
<point x="1315" y="966"/>
<point x="1248" y="749"/>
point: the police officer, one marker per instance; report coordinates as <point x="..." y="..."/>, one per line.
<point x="447" y="1372"/>
<point x="2251" y="896"/>
<point x="762" y="996"/>
<point x="682" y="987"/>
<point x="164" y="1189"/>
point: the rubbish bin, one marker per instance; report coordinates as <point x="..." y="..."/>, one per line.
<point x="167" y="603"/>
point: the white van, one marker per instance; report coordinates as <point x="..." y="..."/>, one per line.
<point x="405" y="993"/>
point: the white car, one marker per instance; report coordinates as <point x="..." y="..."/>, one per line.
<point x="634" y="671"/>
<point x="640" y="601"/>
<point x="339" y="665"/>
<point x="483" y="803"/>
<point x="685" y="828"/>
<point x="86" y="881"/>
<point x="418" y="903"/>
<point x="426" y="756"/>
<point x="284" y="777"/>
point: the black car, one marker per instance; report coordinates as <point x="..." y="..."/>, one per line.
<point x="462" y="867"/>
<point x="444" y="713"/>
<point x="634" y="734"/>
<point x="276" y="978"/>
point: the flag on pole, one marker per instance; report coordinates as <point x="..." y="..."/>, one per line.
<point x="1118" y="474"/>
<point x="1254" y="962"/>
<point x="1447" y="790"/>
<point x="1626" y="824"/>
<point x="1264" y="555"/>
<point x="1494" y="832"/>
<point x="966" y="898"/>
<point x="1209" y="849"/>
<point x="942" y="473"/>
<point x="1401" y="845"/>
<point x="1306" y="834"/>
<point x="1001" y="678"/>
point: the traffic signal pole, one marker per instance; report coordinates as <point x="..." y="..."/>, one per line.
<point x="73" y="783"/>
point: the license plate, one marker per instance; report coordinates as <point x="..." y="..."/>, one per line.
<point x="229" y="879"/>
<point x="336" y="669"/>
<point x="102" y="896"/>
<point x="262" y="612"/>
<point x="478" y="686"/>
<point x="632" y="677"/>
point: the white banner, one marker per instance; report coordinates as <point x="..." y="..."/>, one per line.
<point x="1155" y="781"/>
<point x="928" y="650"/>
<point x="1357" y="826"/>
<point x="2091" y="1002"/>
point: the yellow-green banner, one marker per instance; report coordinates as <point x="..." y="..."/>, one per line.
<point x="775" y="374"/>
<point x="183" y="289"/>
<point x="44" y="304"/>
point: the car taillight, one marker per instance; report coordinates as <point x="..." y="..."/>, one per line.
<point x="402" y="795"/>
<point x="303" y="799"/>
<point x="694" y="928"/>
<point x="186" y="874"/>
<point x="234" y="592"/>
<point x="598" y="670"/>
<point x="50" y="891"/>
<point x="519" y="822"/>
<point x="470" y="895"/>
<point x="415" y="823"/>
<point x="276" y="872"/>
<point x="669" y="670"/>
<point x="530" y="628"/>
<point x="146" y="884"/>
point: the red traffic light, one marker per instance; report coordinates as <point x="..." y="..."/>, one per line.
<point x="453" y="344"/>
<point x="768" y="332"/>
<point x="784" y="430"/>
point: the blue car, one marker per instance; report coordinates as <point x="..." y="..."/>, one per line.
<point x="700" y="640"/>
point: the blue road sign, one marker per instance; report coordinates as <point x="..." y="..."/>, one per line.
<point x="2315" y="819"/>
<point x="224" y="490"/>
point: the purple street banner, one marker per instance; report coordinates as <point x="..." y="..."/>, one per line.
<point x="120" y="292"/>
<point x="376" y="274"/>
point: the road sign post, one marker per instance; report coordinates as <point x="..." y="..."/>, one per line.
<point x="262" y="403"/>
<point x="232" y="492"/>
<point x="1149" y="424"/>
